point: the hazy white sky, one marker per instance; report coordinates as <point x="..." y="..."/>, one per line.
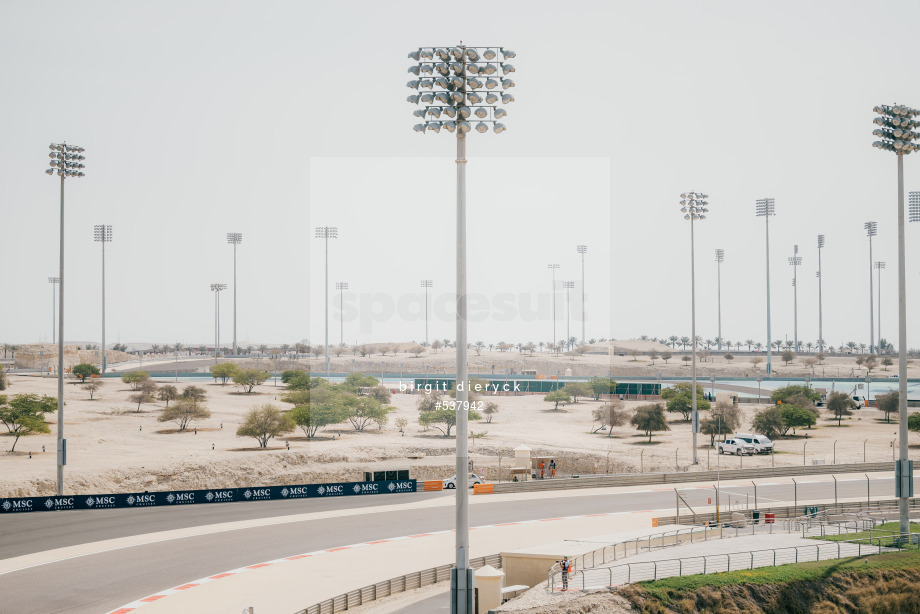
<point x="202" y="118"/>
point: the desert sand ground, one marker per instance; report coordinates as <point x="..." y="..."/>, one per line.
<point x="114" y="448"/>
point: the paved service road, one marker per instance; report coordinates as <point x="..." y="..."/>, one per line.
<point x="101" y="581"/>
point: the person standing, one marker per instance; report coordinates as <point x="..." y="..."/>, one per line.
<point x="552" y="468"/>
<point x="566" y="570"/>
<point x="542" y="470"/>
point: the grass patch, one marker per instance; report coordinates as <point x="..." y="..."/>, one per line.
<point x="669" y="588"/>
<point x="889" y="528"/>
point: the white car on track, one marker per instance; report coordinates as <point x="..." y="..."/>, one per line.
<point x="451" y="482"/>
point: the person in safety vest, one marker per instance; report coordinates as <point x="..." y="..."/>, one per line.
<point x="567" y="566"/>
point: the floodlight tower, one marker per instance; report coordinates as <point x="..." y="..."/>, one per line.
<point x="341" y="286"/>
<point x="795" y="261"/>
<point x="820" y="306"/>
<point x="879" y="265"/>
<point x="720" y="258"/>
<point x="765" y="209"/>
<point x="216" y="289"/>
<point x="871" y="231"/>
<point x="234" y="238"/>
<point x="553" y="268"/>
<point x="326" y="232"/>
<point x="54" y="281"/>
<point x="568" y="285"/>
<point x="102" y="233"/>
<point x="452" y="76"/>
<point x="897" y="133"/>
<point x="694" y="206"/>
<point x="426" y="283"/>
<point x="582" y="249"/>
<point x="66" y="161"/>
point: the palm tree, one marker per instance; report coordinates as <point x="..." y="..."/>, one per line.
<point x="808" y="346"/>
<point x="673" y="339"/>
<point x="758" y="346"/>
<point x="178" y="347"/>
<point x="285" y="348"/>
<point x="479" y="346"/>
<point x="684" y="342"/>
<point x="749" y="343"/>
<point x="643" y="337"/>
<point x="862" y="348"/>
<point x="262" y="348"/>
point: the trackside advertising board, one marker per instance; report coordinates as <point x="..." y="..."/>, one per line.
<point x="203" y="497"/>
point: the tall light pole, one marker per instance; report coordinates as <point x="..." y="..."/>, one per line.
<point x="341" y="286"/>
<point x="583" y="249"/>
<point x="568" y="285"/>
<point x="871" y="231"/>
<point x="426" y="283"/>
<point x="720" y="258"/>
<point x="454" y="82"/>
<point x="820" y="306"/>
<point x="553" y="268"/>
<point x="795" y="261"/>
<point x="102" y="233"/>
<point x="326" y="232"/>
<point x="897" y="125"/>
<point x="216" y="289"/>
<point x="54" y="281"/>
<point x="765" y="209"/>
<point x="694" y="206"/>
<point x="234" y="238"/>
<point x="879" y="265"/>
<point x="66" y="161"/>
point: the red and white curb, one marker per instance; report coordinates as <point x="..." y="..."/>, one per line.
<point x="134" y="605"/>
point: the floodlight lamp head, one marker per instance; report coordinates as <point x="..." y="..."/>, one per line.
<point x="234" y="238"/>
<point x="914" y="199"/>
<point x="820" y="241"/>
<point x="582" y="249"/>
<point x="498" y="128"/>
<point x="871" y="228"/>
<point x="49" y="171"/>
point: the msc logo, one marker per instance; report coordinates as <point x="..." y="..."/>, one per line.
<point x="59" y="502"/>
<point x="361" y="489"/>
<point x="400" y="486"/>
<point x="100" y="502"/>
<point x="219" y="495"/>
<point x="258" y="493"/>
<point x="144" y="499"/>
<point x="295" y="491"/>
<point x="181" y="497"/>
<point x="332" y="489"/>
<point x="16" y="506"/>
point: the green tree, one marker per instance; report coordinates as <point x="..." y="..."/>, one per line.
<point x="576" y="389"/>
<point x="316" y="408"/>
<point x="167" y="393"/>
<point x="610" y="415"/>
<point x="248" y="379"/>
<point x="194" y="392"/>
<point x="725" y="418"/>
<point x="601" y="385"/>
<point x="25" y="415"/>
<point x="92" y="386"/>
<point x="428" y="402"/>
<point x="888" y="403"/>
<point x="140" y="398"/>
<point x="769" y="422"/>
<point x="3" y="382"/>
<point x="367" y="410"/>
<point x="913" y="422"/>
<point x="680" y="400"/>
<point x="782" y="394"/>
<point x="381" y="394"/>
<point x="134" y="378"/>
<point x="840" y="405"/>
<point x="788" y="356"/>
<point x="796" y="416"/>
<point x="289" y="374"/>
<point x="84" y="370"/>
<point x="224" y="371"/>
<point x="184" y="411"/>
<point x="355" y="381"/>
<point x="490" y="409"/>
<point x="265" y="422"/>
<point x="557" y="397"/>
<point x="301" y="380"/>
<point x="444" y="419"/>
<point x="649" y="419"/>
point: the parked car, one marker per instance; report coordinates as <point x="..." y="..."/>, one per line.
<point x="762" y="444"/>
<point x="451" y="482"/>
<point x="735" y="446"/>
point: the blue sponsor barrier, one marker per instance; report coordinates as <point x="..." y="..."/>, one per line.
<point x="196" y="497"/>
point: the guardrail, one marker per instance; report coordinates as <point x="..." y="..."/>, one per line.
<point x="642" y="479"/>
<point x="629" y="573"/>
<point x="399" y="584"/>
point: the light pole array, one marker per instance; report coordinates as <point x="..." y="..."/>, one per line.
<point x="326" y="232"/>
<point x="341" y="286"/>
<point x="694" y="206"/>
<point x="765" y="209"/>
<point x="66" y="161"/>
<point x="879" y="265"/>
<point x="102" y="233"/>
<point x="871" y="231"/>
<point x="54" y="281"/>
<point x="553" y="268"/>
<point x="820" y="305"/>
<point x="795" y="261"/>
<point x="216" y="289"/>
<point x="583" y="249"/>
<point x="426" y="283"/>
<point x="452" y="76"/>
<point x="568" y="285"/>
<point x="234" y="238"/>
<point x="897" y="125"/>
<point x="720" y="258"/>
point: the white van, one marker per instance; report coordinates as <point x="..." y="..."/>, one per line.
<point x="762" y="444"/>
